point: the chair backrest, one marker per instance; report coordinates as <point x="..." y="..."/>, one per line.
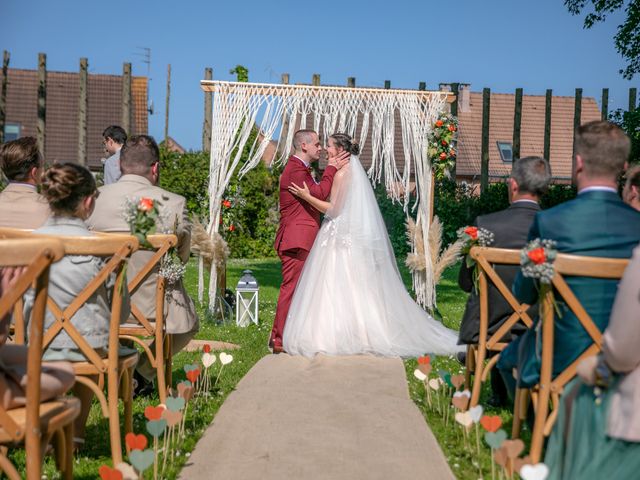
<point x="116" y="249"/>
<point x="566" y="265"/>
<point x="36" y="255"/>
<point x="487" y="259"/>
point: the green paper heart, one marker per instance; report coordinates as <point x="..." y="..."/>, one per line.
<point x="141" y="459"/>
<point x="188" y="368"/>
<point x="175" y="404"/>
<point x="187" y="383"/>
<point x="156" y="427"/>
<point x="447" y="379"/>
<point x="495" y="439"/>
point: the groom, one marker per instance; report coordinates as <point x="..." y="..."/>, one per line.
<point x="299" y="221"/>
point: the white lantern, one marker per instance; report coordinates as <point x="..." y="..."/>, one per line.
<point x="246" y="299"/>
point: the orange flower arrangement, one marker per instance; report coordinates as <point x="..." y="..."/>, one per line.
<point x="441" y="145"/>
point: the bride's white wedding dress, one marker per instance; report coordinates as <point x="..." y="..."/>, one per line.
<point x="350" y="298"/>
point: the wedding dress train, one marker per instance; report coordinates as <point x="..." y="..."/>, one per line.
<point x="350" y="298"/>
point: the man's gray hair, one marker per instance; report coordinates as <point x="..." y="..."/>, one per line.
<point x="302" y="136"/>
<point x="532" y="174"/>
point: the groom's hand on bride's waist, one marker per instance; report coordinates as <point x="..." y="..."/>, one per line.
<point x="340" y="160"/>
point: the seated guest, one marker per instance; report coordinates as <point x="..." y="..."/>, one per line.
<point x="71" y="192"/>
<point x="140" y="164"/>
<point x="595" y="224"/>
<point x="113" y="139"/>
<point x="55" y="377"/>
<point x="631" y="191"/>
<point x="529" y="180"/>
<point x="597" y="434"/>
<point x="20" y="204"/>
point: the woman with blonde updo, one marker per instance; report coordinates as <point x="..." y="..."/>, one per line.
<point x="71" y="191"/>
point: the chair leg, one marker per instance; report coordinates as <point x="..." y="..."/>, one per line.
<point x="161" y="383"/>
<point x="468" y="367"/>
<point x="477" y="377"/>
<point x="168" y="362"/>
<point x="66" y="466"/>
<point x="8" y="469"/>
<point x="114" y="419"/>
<point x="520" y="407"/>
<point x="128" y="400"/>
<point x="537" y="437"/>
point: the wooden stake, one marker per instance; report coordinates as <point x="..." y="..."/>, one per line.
<point x="166" y="109"/>
<point x="42" y="102"/>
<point x="208" y="113"/>
<point x="517" y="121"/>
<point x="547" y="125"/>
<point x="486" y="116"/>
<point x="3" y="93"/>
<point x="126" y="98"/>
<point x="82" y="112"/>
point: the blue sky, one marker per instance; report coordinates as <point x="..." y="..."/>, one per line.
<point x="501" y="44"/>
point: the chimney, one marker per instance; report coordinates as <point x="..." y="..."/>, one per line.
<point x="464" y="98"/>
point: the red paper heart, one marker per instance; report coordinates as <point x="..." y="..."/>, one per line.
<point x="153" y="413"/>
<point x="424" y="360"/>
<point x="135" y="442"/>
<point x="491" y="424"/>
<point x="206" y="348"/>
<point x="192" y="375"/>
<point x="108" y="473"/>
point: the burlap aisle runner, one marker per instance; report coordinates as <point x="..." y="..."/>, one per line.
<point x="326" y="418"/>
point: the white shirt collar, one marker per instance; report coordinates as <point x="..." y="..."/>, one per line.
<point x="23" y="184"/>
<point x="598" y="188"/>
<point x="305" y="163"/>
<point x="522" y="200"/>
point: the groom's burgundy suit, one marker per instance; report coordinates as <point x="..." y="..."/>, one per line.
<point x="299" y="225"/>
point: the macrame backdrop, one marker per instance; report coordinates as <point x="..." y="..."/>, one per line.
<point x="367" y="114"/>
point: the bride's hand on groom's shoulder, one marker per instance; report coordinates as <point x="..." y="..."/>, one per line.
<point x="340" y="160"/>
<point x="301" y="192"/>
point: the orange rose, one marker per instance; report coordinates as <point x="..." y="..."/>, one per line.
<point x="452" y="152"/>
<point x="226" y="203"/>
<point x="444" y="143"/>
<point x="537" y="256"/>
<point x="472" y="232"/>
<point x="232" y="228"/>
<point x="452" y="127"/>
<point x="145" y="205"/>
<point x="439" y="123"/>
<point x="443" y="156"/>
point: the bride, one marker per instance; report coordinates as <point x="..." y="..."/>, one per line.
<point x="350" y="298"/>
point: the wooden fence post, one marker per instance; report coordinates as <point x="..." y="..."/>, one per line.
<point x="486" y="116"/>
<point x="351" y="82"/>
<point x="42" y="102"/>
<point x="126" y="98"/>
<point x="285" y="122"/>
<point x="605" y="103"/>
<point x="577" y="114"/>
<point x="387" y="84"/>
<point x="82" y="112"/>
<point x="455" y="89"/>
<point x="632" y="99"/>
<point x="166" y="108"/>
<point x="422" y="86"/>
<point x="315" y="80"/>
<point x="3" y="94"/>
<point x="547" y="125"/>
<point x="208" y="112"/>
<point x="517" y="122"/>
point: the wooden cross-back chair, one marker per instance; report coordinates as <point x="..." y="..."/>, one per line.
<point x="118" y="371"/>
<point x="36" y="423"/>
<point x="487" y="259"/>
<point x="549" y="388"/>
<point x="144" y="329"/>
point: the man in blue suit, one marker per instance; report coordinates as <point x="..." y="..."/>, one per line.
<point x="597" y="223"/>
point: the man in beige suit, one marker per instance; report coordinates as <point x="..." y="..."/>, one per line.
<point x="139" y="161"/>
<point x="21" y="206"/>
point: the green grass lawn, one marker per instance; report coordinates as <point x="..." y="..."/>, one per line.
<point x="253" y="346"/>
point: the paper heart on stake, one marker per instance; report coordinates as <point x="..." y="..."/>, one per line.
<point x="208" y="360"/>
<point x="425" y="368"/>
<point x="135" y="442"/>
<point x="518" y="463"/>
<point x="419" y="375"/>
<point x="185" y="390"/>
<point x="141" y="460"/>
<point x="534" y="472"/>
<point x="476" y="413"/>
<point x="153" y="413"/>
<point x="188" y="368"/>
<point x="225" y="358"/>
<point x="495" y="439"/>
<point x="434" y="384"/>
<point x="500" y="456"/>
<point x="108" y="473"/>
<point x="461" y="403"/>
<point x="463" y="393"/>
<point x="424" y="360"/>
<point x="513" y="448"/>
<point x="172" y="417"/>
<point x="457" y="380"/>
<point x="193" y="375"/>
<point x="175" y="403"/>
<point x="156" y="427"/>
<point x="128" y="473"/>
<point x="206" y="348"/>
<point x="464" y="419"/>
<point x="491" y="424"/>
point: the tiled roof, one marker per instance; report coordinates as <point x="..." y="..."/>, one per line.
<point x="61" y="135"/>
<point x="531" y="133"/>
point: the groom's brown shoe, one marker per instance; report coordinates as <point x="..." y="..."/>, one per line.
<point x="278" y="349"/>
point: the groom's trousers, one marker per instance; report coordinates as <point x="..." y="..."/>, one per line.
<point x="292" y="263"/>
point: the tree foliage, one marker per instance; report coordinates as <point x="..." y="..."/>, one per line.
<point x="630" y="123"/>
<point x="627" y="39"/>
